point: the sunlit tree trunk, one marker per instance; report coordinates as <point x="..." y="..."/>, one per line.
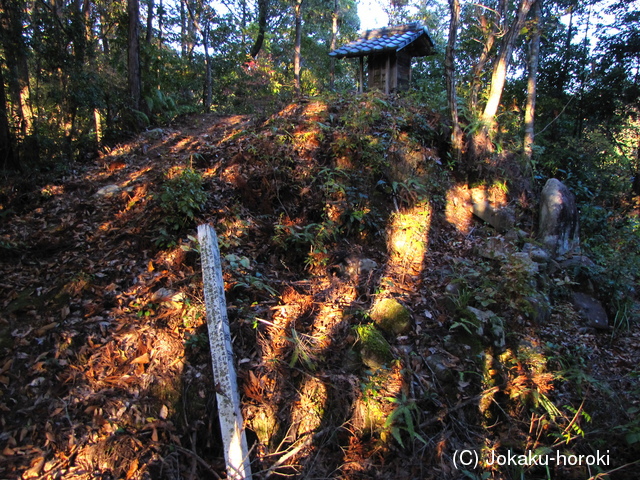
<point x="501" y="65"/>
<point x="263" y="13"/>
<point x="491" y="31"/>
<point x="297" y="52"/>
<point x="134" y="75"/>
<point x="480" y="141"/>
<point x="449" y="65"/>
<point x="530" y="109"/>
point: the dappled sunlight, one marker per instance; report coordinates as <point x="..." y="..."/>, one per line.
<point x="458" y="208"/>
<point x="408" y="240"/>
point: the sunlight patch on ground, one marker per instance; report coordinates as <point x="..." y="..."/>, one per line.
<point x="408" y="239"/>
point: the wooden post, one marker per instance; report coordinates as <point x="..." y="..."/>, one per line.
<point x="224" y="373"/>
<point x="361" y="86"/>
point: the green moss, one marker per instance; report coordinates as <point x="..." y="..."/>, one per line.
<point x="391" y="316"/>
<point x="374" y="348"/>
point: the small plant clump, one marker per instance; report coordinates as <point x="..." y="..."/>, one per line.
<point x="182" y="197"/>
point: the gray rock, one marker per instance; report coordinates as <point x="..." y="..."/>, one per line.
<point x="537" y="254"/>
<point x="357" y="267"/>
<point x="591" y="310"/>
<point x="500" y="218"/>
<point x="108" y="191"/>
<point x="577" y="261"/>
<point x="496" y="248"/>
<point x="559" y="228"/>
<point x="538" y="308"/>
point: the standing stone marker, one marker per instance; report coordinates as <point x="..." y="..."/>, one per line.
<point x="224" y="373"/>
<point x="559" y="228"/>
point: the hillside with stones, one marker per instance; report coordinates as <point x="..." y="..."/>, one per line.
<point x="385" y="314"/>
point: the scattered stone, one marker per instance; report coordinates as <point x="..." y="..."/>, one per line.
<point x="438" y="365"/>
<point x="154" y="134"/>
<point x="537" y="254"/>
<point x="391" y="316"/>
<point x="357" y="267"/>
<point x="591" y="310"/>
<point x="559" y="223"/>
<point x="500" y="218"/>
<point x="524" y="262"/>
<point x="538" y="308"/>
<point x="375" y="351"/>
<point x="577" y="261"/>
<point x="496" y="248"/>
<point x="108" y="191"/>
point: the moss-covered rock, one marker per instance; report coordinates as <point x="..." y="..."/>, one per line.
<point x="375" y="351"/>
<point x="391" y="316"/>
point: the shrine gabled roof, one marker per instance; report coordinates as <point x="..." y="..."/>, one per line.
<point x="413" y="37"/>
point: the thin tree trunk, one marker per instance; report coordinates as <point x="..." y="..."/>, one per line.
<point x="334" y="43"/>
<point x="208" y="89"/>
<point x="150" y="6"/>
<point x="15" y="51"/>
<point x="135" y="84"/>
<point x="499" y="75"/>
<point x="263" y="13"/>
<point x="297" y="52"/>
<point x="530" y="109"/>
<point x="160" y="21"/>
<point x="8" y="159"/>
<point x="449" y="65"/>
<point x="183" y="29"/>
<point x="480" y="144"/>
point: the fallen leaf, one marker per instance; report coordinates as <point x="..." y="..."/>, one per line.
<point x="141" y="359"/>
<point x="46" y="328"/>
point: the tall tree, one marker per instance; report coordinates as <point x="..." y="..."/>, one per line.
<point x="480" y="143"/>
<point x="532" y="81"/>
<point x="449" y="65"/>
<point x="297" y="56"/>
<point x="7" y="156"/>
<point x="16" y="53"/>
<point x="263" y="15"/>
<point x="334" y="42"/>
<point x="149" y="34"/>
<point x="134" y="73"/>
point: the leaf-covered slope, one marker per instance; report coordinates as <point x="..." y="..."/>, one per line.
<point x="323" y="210"/>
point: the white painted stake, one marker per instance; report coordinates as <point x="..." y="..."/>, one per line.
<point x="224" y="373"/>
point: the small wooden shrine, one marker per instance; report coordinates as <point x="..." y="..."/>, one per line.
<point x="389" y="52"/>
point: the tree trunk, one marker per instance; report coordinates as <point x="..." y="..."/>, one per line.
<point x="480" y="144"/>
<point x="135" y="83"/>
<point x="150" y="6"/>
<point x="208" y="89"/>
<point x="183" y="29"/>
<point x="8" y="159"/>
<point x="15" y="51"/>
<point x="449" y="66"/>
<point x="297" y="53"/>
<point x="263" y="14"/>
<point x="499" y="75"/>
<point x="476" y="73"/>
<point x="530" y="109"/>
<point x="334" y="43"/>
<point x="160" y="21"/>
